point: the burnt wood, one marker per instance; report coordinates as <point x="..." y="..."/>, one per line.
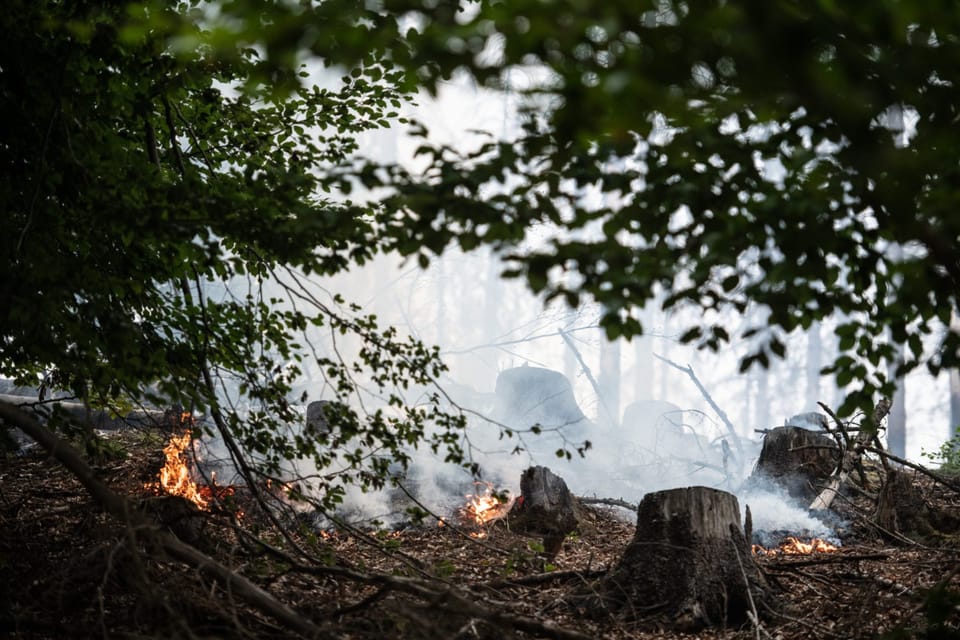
<point x="545" y="507"/>
<point x="797" y="459"/>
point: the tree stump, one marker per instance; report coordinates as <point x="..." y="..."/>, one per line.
<point x="901" y="508"/>
<point x="546" y="507"/>
<point x="180" y="516"/>
<point x="797" y="459"/>
<point x="532" y="396"/>
<point x="688" y="565"/>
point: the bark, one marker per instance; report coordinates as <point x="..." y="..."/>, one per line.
<point x="164" y="542"/>
<point x="796" y="459"/>
<point x="689" y="564"/>
<point x="901" y="507"/>
<point x="546" y="507"/>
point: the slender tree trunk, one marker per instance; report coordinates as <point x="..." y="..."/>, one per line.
<point x="897" y="421"/>
<point x="570" y="365"/>
<point x="838" y="393"/>
<point x="814" y="364"/>
<point x="954" y="402"/>
<point x="954" y="386"/>
<point x="663" y="376"/>
<point x="643" y="372"/>
<point x="440" y="271"/>
<point x="609" y="381"/>
<point x="643" y="378"/>
<point x="761" y="408"/>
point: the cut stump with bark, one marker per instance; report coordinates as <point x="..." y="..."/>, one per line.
<point x="902" y="510"/>
<point x="545" y="507"/>
<point x="688" y="565"/>
<point x="797" y="459"/>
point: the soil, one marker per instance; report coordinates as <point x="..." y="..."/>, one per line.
<point x="69" y="570"/>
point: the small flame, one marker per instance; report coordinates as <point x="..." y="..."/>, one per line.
<point x="485" y="507"/>
<point x="794" y="547"/>
<point x="175" y="477"/>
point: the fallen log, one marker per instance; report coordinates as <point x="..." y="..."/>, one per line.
<point x="689" y="564"/>
<point x="78" y="412"/>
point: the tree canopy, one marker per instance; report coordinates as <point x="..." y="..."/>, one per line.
<point x="801" y="157"/>
<point x="797" y="157"/>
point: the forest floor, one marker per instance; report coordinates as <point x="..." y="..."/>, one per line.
<point x="67" y="570"/>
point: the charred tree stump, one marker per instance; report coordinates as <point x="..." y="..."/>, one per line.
<point x="797" y="459"/>
<point x="545" y="507"/>
<point x="901" y="508"/>
<point x="688" y="565"/>
<point x="178" y="515"/>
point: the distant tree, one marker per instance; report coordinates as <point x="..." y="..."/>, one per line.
<point x="897" y="434"/>
<point x="954" y="376"/>
<point x="812" y="366"/>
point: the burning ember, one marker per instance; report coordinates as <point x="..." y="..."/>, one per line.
<point x="484" y="507"/>
<point x="792" y="546"/>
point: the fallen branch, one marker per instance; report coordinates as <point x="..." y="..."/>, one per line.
<point x="827" y="558"/>
<point x="850" y="458"/>
<point x="613" y="502"/>
<point x="947" y="482"/>
<point x="541" y="578"/>
<point x="449" y="599"/>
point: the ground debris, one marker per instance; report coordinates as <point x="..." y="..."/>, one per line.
<point x="67" y="570"/>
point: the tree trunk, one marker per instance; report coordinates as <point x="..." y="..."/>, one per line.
<point x="688" y="564"/>
<point x="814" y="359"/>
<point x="609" y="381"/>
<point x="797" y="459"/>
<point x="761" y="406"/>
<point x="954" y="427"/>
<point x="545" y="506"/>
<point x="954" y="403"/>
<point x="897" y="423"/>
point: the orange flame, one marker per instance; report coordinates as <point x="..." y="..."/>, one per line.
<point x="792" y="546"/>
<point x="484" y="508"/>
<point x="175" y="477"/>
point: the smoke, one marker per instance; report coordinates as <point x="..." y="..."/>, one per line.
<point x="774" y="512"/>
<point x="487" y="326"/>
